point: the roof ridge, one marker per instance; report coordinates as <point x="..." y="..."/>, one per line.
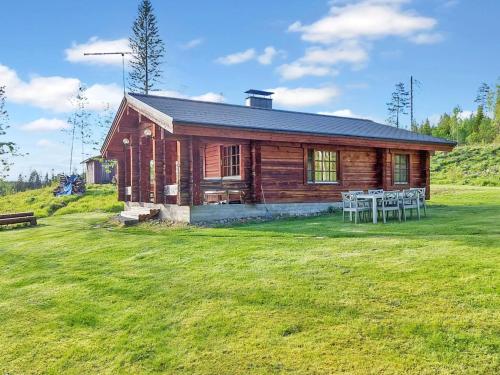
<point x="254" y="108"/>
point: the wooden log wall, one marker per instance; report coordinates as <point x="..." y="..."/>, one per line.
<point x="185" y="177"/>
<point x="283" y="178"/>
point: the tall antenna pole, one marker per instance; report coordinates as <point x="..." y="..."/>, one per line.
<point x="113" y="53"/>
<point x="411" y="102"/>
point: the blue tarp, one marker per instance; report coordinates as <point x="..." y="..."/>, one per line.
<point x="70" y="185"/>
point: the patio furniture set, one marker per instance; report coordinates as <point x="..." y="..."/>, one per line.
<point x="363" y="205"/>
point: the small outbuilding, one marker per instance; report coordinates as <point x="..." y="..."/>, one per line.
<point x="99" y="170"/>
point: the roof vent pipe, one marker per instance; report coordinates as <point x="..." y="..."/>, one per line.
<point x="259" y="99"/>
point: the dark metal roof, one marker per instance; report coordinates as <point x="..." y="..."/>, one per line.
<point x="259" y="92"/>
<point x="249" y="118"/>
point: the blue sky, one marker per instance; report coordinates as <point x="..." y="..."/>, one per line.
<point x="337" y="57"/>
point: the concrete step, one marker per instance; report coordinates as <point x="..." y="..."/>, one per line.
<point x="126" y="220"/>
<point x="140" y="213"/>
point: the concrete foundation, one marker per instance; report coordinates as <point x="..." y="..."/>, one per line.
<point x="221" y="212"/>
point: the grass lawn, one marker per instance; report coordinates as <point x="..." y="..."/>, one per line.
<point x="305" y="296"/>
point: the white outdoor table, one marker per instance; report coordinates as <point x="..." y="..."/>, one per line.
<point x="374" y="198"/>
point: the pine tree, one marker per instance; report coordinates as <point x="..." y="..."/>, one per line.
<point x="6" y="148"/>
<point x="46" y="181"/>
<point x="20" y="184"/>
<point x="148" y="50"/>
<point x="398" y="105"/>
<point x="426" y="128"/>
<point x="482" y="95"/>
<point x="34" y="181"/>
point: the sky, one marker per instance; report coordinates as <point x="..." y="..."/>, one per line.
<point x="333" y="57"/>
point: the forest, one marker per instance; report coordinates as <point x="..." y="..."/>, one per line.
<point x="479" y="127"/>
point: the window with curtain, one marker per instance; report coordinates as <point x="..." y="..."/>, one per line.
<point x="231" y="160"/>
<point x="401" y="168"/>
<point x="321" y="166"/>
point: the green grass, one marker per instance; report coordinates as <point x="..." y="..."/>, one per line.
<point x="467" y="165"/>
<point x="98" y="198"/>
<point x="304" y="296"/>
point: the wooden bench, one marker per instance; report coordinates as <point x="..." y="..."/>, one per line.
<point x="20" y="217"/>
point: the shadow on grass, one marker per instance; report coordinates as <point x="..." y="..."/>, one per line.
<point x="21" y="226"/>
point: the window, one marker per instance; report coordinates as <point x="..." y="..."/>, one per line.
<point x="401" y="163"/>
<point x="231" y="160"/>
<point x="321" y="166"/>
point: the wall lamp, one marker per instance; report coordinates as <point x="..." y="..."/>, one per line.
<point x="126" y="141"/>
<point x="148" y="132"/>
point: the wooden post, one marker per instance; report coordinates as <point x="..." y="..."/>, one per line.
<point x="121" y="171"/>
<point x="135" y="169"/>
<point x="384" y="168"/>
<point x="145" y="177"/>
<point x="196" y="170"/>
<point x="170" y="160"/>
<point x="159" y="165"/>
<point x="256" y="181"/>
<point x="379" y="168"/>
<point x="426" y="172"/>
<point x="184" y="169"/>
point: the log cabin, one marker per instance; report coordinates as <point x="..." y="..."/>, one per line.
<point x="202" y="161"/>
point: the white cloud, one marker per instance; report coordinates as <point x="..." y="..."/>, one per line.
<point x="303" y="96"/>
<point x="55" y="93"/>
<point x="366" y="19"/>
<point x="75" y="53"/>
<point x="298" y="70"/>
<point x="44" y="125"/>
<point x="44" y="143"/>
<point x="347" y="52"/>
<point x="192" y="43"/>
<point x="348" y="30"/>
<point x="238" y="57"/>
<point x="267" y="57"/>
<point x="317" y="60"/>
<point x="210" y="97"/>
<point x="100" y="96"/>
<point x="342" y="113"/>
<point x="207" y="97"/>
<point x="427" y="38"/>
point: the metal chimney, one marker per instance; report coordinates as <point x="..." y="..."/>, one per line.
<point x="259" y="99"/>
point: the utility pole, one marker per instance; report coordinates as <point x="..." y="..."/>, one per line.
<point x="113" y="53"/>
<point x="411" y="103"/>
<point x="414" y="83"/>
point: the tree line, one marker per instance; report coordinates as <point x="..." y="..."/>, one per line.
<point x="35" y="180"/>
<point x="479" y="127"/>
